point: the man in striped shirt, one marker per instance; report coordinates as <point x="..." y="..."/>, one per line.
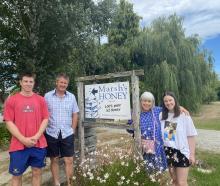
<point x="62" y="123"/>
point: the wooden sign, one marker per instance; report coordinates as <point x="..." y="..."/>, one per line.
<point x="108" y="101"/>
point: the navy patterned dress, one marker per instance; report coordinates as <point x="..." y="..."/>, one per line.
<point x="154" y="162"/>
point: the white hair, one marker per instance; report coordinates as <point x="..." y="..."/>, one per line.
<point x="148" y="96"/>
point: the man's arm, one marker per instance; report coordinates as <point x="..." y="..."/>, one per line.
<point x="75" y="120"/>
<point x="28" y="142"/>
<point x="41" y="130"/>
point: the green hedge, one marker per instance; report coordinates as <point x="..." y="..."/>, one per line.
<point x="4" y="136"/>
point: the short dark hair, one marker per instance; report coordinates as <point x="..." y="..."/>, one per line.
<point x="62" y="75"/>
<point x="27" y="74"/>
<point x="176" y="107"/>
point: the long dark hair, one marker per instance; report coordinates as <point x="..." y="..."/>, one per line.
<point x="176" y="107"/>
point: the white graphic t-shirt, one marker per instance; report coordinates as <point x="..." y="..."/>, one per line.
<point x="176" y="130"/>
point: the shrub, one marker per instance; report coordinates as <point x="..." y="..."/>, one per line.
<point x="4" y="136"/>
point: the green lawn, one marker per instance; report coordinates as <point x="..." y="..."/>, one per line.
<point x="208" y="116"/>
<point x="210" y="161"/>
<point x="211" y="124"/>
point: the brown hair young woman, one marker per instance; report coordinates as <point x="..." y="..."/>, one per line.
<point x="178" y="133"/>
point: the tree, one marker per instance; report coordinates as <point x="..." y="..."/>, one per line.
<point x="218" y="90"/>
<point x="102" y="15"/>
<point x="174" y="62"/>
<point x="48" y="37"/>
<point x="42" y="36"/>
<point x="124" y="27"/>
<point x="125" y="24"/>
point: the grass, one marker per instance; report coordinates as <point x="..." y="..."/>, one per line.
<point x="211" y="124"/>
<point x="208" y="117"/>
<point x="208" y="161"/>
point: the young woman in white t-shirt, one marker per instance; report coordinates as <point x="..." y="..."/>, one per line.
<point x="178" y="133"/>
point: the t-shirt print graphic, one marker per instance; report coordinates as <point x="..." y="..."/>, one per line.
<point x="169" y="131"/>
<point x="28" y="108"/>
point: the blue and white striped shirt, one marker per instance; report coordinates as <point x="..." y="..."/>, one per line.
<point x="61" y="111"/>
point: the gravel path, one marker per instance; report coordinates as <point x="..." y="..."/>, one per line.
<point x="206" y="140"/>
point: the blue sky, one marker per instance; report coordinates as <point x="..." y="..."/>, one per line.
<point x="201" y="17"/>
<point x="213" y="44"/>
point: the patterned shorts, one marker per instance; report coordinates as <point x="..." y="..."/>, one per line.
<point x="175" y="158"/>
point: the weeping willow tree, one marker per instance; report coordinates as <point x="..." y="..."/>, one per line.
<point x="173" y="61"/>
<point x="164" y="78"/>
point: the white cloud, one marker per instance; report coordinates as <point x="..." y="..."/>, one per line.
<point x="200" y="16"/>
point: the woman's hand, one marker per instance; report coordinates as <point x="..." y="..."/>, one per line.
<point x="192" y="159"/>
<point x="183" y="110"/>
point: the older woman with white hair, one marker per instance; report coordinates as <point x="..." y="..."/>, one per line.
<point x="151" y="138"/>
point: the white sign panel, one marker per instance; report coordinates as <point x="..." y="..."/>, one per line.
<point x="108" y="101"/>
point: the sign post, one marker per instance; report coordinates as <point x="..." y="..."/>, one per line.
<point x="108" y="101"/>
<point x="136" y="111"/>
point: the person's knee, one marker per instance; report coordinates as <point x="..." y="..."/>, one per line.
<point x="68" y="160"/>
<point x="54" y="160"/>
<point x="36" y="172"/>
<point x="16" y="180"/>
<point x="17" y="177"/>
<point x="181" y="183"/>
